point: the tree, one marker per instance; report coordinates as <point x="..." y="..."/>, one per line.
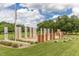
<point x="65" y="23"/>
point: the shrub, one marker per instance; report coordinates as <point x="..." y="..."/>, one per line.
<point x="70" y="39"/>
<point x="15" y="45"/>
<point x="6" y="43"/>
<point x="64" y="40"/>
<point x="33" y="42"/>
<point x="56" y="41"/>
<point x="21" y="40"/>
<point x="12" y="44"/>
<point x="36" y="42"/>
<point x="77" y="38"/>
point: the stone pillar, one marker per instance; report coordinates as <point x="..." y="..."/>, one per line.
<point x="16" y="33"/>
<point x="48" y="30"/>
<point x="5" y="33"/>
<point x="35" y="34"/>
<point x="25" y="32"/>
<point x="44" y="34"/>
<point x="20" y="32"/>
<point x="30" y="32"/>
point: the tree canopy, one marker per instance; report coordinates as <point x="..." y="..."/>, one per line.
<point x="65" y="23"/>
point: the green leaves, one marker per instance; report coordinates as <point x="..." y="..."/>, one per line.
<point x="65" y="23"/>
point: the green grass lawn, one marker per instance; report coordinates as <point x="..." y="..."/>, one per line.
<point x="50" y="48"/>
<point x="10" y="35"/>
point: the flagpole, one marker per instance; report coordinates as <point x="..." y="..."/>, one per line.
<point x="15" y="22"/>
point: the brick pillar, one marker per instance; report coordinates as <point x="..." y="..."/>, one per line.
<point x="62" y="34"/>
<point x="5" y="33"/>
<point x="59" y="33"/>
<point x="56" y="35"/>
<point x="48" y="33"/>
<point x="51" y="34"/>
<point x="41" y="35"/>
<point x="44" y="34"/>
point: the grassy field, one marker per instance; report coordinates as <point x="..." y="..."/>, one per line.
<point x="11" y="35"/>
<point x="50" y="48"/>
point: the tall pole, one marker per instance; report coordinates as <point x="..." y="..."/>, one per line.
<point x="15" y="23"/>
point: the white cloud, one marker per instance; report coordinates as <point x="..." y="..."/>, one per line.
<point x="56" y="16"/>
<point x="52" y="6"/>
<point x="24" y="17"/>
<point x="22" y="10"/>
<point x="4" y="5"/>
<point x="7" y="15"/>
<point x="46" y="6"/>
<point x="75" y="11"/>
<point x="30" y="17"/>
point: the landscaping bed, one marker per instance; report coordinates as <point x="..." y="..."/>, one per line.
<point x="31" y="42"/>
<point x="14" y="44"/>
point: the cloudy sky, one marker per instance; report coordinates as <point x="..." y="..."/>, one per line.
<point x="33" y="13"/>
